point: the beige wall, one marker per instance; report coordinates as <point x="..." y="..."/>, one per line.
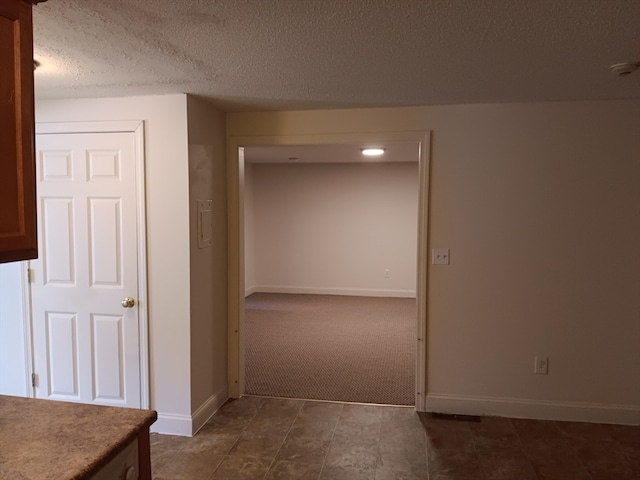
<point x="539" y="206"/>
<point x="208" y="266"/>
<point x="334" y="228"/>
<point x="187" y="296"/>
<point x="167" y="204"/>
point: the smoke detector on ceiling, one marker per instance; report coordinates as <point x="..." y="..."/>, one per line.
<point x="624" y="69"/>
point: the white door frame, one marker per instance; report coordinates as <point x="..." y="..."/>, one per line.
<point x="137" y="128"/>
<point x="236" y="286"/>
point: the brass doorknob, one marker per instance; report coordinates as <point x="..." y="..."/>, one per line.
<point x="128" y="302"/>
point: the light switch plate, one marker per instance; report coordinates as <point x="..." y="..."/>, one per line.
<point x="205" y="223"/>
<point x="440" y="256"/>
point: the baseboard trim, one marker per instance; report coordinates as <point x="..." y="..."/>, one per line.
<point x="202" y="415"/>
<point x="249" y="291"/>
<point x="169" y="424"/>
<point x="538" y="410"/>
<point x="188" y="425"/>
<point x="355" y="292"/>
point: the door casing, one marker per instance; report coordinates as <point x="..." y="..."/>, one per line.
<point x="235" y="198"/>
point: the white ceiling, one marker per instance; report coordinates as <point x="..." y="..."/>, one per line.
<point x="394" y="152"/>
<point x="301" y="54"/>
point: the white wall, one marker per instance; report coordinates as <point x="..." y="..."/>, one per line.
<point x="13" y="365"/>
<point x="168" y="238"/>
<point x="208" y="266"/>
<point x="539" y="206"/>
<point x="334" y="228"/>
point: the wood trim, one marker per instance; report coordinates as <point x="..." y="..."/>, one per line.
<point x="9" y="9"/>
<point x="144" y="454"/>
<point x="422" y="272"/>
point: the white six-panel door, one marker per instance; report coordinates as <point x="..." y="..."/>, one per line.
<point x="85" y="342"/>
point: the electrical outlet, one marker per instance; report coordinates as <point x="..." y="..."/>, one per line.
<point x="440" y="256"/>
<point x="541" y="366"/>
<point x="387" y="273"/>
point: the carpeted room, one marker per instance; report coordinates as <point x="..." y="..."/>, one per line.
<point x="330" y="273"/>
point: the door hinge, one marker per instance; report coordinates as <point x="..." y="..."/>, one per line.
<point x="30" y="275"/>
<point x="34" y="379"/>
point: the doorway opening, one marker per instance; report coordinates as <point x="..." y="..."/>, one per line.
<point x="330" y="244"/>
<point x="243" y="153"/>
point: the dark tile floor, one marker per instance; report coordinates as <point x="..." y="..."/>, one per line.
<point x="260" y="438"/>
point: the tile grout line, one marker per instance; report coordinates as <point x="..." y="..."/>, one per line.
<point x="475" y="451"/>
<point x="426" y="442"/>
<point x="226" y="455"/>
<point x="571" y="443"/>
<point x="379" y="455"/>
<point x="524" y="450"/>
<point x="324" y="460"/>
<point x="283" y="440"/>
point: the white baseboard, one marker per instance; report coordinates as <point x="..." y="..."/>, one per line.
<point x="538" y="410"/>
<point x="208" y="409"/>
<point x="188" y="425"/>
<point x="248" y="291"/>
<point x="355" y="292"/>
<point x="169" y="424"/>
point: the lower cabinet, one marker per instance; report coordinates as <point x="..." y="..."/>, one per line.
<point x="124" y="466"/>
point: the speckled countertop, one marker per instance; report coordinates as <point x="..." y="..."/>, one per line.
<point x="44" y="439"/>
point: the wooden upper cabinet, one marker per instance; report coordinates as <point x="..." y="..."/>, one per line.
<point x="17" y="133"/>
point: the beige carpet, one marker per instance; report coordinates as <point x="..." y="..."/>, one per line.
<point x="327" y="347"/>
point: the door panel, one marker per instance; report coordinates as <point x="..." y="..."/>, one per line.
<point x="62" y="347"/>
<point x="57" y="240"/>
<point x="108" y="351"/>
<point x="87" y="265"/>
<point x="105" y="242"/>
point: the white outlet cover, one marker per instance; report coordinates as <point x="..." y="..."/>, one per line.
<point x="440" y="256"/>
<point x="541" y="365"/>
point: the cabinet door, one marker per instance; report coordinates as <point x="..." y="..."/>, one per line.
<point x="17" y="172"/>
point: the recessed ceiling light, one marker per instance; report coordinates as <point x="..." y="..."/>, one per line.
<point x="372" y="152"/>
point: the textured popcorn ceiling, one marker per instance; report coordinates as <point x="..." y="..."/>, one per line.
<point x="300" y="54"/>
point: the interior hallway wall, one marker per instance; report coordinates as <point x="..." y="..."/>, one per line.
<point x="539" y="205"/>
<point x="208" y="265"/>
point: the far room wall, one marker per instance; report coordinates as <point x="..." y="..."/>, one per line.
<point x="331" y="228"/>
